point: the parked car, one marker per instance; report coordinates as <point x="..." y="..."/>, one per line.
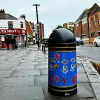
<point x="79" y="41"/>
<point x="97" y="41"/>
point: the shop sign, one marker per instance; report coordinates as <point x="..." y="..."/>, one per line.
<point x="12" y="31"/>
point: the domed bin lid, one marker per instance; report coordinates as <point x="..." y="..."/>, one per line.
<point x="62" y="36"/>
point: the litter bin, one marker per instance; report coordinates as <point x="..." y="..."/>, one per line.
<point x="62" y="63"/>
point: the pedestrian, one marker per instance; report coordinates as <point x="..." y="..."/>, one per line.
<point x="13" y="42"/>
<point x="7" y="41"/>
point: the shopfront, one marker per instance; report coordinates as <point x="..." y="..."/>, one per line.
<point x="19" y="35"/>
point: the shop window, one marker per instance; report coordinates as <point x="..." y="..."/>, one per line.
<point x="10" y="25"/>
<point x="92" y="35"/>
<point x="21" y="24"/>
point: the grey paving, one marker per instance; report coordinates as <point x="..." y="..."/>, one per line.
<point x="25" y="73"/>
<point x="21" y="93"/>
<point x="17" y="81"/>
<point x="24" y="76"/>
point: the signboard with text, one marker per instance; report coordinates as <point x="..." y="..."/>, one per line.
<point x="13" y="31"/>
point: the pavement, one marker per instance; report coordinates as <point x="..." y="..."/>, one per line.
<point x="24" y="76"/>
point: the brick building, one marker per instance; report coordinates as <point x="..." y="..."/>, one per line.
<point x="81" y="26"/>
<point x="41" y="30"/>
<point x="69" y="25"/>
<point x="94" y="24"/>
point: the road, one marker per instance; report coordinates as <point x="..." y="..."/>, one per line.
<point x="88" y="51"/>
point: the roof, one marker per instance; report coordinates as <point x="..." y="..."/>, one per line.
<point x="10" y="17"/>
<point x="83" y="15"/>
<point x="96" y="10"/>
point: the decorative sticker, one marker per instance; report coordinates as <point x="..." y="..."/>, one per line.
<point x="73" y="60"/>
<point x="56" y="78"/>
<point x="50" y="67"/>
<point x="51" y="80"/>
<point x="73" y="79"/>
<point x="63" y="80"/>
<point x="72" y="67"/>
<point x="56" y="56"/>
<point x="55" y="66"/>
<point x="64" y="61"/>
<point x="51" y="59"/>
<point x="65" y="69"/>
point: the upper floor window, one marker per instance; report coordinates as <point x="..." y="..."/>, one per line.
<point x="84" y="21"/>
<point x="90" y="25"/>
<point x="21" y="24"/>
<point x="94" y="23"/>
<point x="10" y="24"/>
<point x="76" y="24"/>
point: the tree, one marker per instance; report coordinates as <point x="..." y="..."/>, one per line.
<point x="70" y="30"/>
<point x="59" y="26"/>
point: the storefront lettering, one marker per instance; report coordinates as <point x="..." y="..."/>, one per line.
<point x="12" y="31"/>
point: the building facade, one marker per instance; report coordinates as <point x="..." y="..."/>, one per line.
<point x="94" y="24"/>
<point x="81" y="26"/>
<point x="12" y="26"/>
<point x="41" y="30"/>
<point x="69" y="25"/>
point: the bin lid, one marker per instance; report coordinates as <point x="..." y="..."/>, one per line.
<point x="62" y="35"/>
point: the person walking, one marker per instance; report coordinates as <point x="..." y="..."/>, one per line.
<point x="7" y="41"/>
<point x="13" y="42"/>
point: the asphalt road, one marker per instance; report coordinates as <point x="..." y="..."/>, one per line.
<point x="88" y="51"/>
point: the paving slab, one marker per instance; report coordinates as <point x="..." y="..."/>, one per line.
<point x="41" y="81"/>
<point x="5" y="74"/>
<point x="24" y="67"/>
<point x="17" y="81"/>
<point x="28" y="63"/>
<point x="44" y="72"/>
<point x="21" y="93"/>
<point x="24" y="73"/>
<point x="42" y="66"/>
<point x="96" y="88"/>
<point x="81" y="77"/>
<point x="5" y="67"/>
<point x="80" y="69"/>
<point x="84" y="92"/>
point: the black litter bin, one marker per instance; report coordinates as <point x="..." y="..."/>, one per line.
<point x="62" y="63"/>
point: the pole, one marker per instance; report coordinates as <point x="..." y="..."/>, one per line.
<point x="37" y="22"/>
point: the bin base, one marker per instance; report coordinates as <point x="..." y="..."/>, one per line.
<point x="63" y="91"/>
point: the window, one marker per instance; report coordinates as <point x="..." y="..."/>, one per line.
<point x="99" y="21"/>
<point x="92" y="35"/>
<point x="76" y="24"/>
<point x="90" y="25"/>
<point x="94" y="23"/>
<point x="21" y="24"/>
<point x="84" y="21"/>
<point x="10" y="25"/>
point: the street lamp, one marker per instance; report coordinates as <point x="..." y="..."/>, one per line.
<point x="37" y="21"/>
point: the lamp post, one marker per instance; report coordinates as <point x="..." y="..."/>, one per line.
<point x="37" y="21"/>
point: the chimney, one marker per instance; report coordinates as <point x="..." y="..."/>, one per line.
<point x="2" y="14"/>
<point x="23" y="16"/>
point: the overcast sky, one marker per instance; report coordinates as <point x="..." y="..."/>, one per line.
<point x="51" y="12"/>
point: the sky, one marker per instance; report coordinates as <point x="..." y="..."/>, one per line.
<point x="50" y="12"/>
